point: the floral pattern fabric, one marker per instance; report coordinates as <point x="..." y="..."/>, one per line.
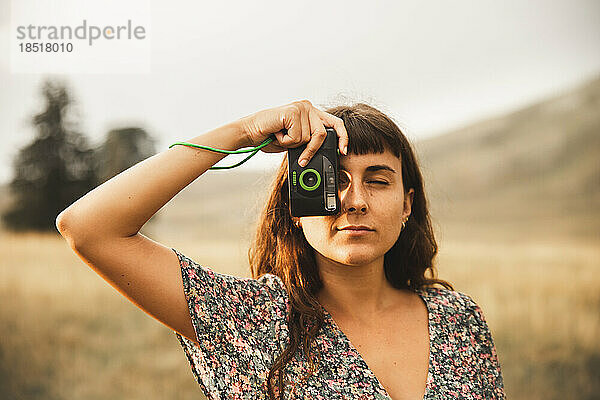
<point x="241" y="326"/>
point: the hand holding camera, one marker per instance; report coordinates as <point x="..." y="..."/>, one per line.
<point x="293" y="125"/>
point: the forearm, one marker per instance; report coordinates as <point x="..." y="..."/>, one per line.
<point x="122" y="205"/>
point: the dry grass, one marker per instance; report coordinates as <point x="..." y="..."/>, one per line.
<point x="543" y="306"/>
<point x="66" y="334"/>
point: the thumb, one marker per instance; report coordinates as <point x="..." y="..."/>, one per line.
<point x="280" y="135"/>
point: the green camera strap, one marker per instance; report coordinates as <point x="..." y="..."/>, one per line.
<point x="254" y="150"/>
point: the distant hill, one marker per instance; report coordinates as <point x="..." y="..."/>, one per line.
<point x="530" y="174"/>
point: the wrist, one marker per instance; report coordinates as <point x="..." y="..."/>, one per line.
<point x="230" y="136"/>
<point x="233" y="136"/>
<point x="243" y="132"/>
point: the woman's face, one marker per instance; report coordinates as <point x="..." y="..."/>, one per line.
<point x="371" y="194"/>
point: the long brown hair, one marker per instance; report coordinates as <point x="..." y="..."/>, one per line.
<point x="280" y="248"/>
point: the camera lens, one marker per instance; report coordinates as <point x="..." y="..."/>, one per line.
<point x="310" y="179"/>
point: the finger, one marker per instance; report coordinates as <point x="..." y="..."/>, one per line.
<point x="273" y="147"/>
<point x="337" y="124"/>
<point x="279" y="136"/>
<point x="293" y="123"/>
<point x="305" y="117"/>
<point x="318" y="136"/>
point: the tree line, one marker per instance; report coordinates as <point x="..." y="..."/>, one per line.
<point x="60" y="165"/>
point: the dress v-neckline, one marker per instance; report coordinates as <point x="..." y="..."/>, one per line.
<point x="361" y="360"/>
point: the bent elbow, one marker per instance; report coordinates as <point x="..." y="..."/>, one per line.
<point x="60" y="223"/>
<point x="64" y="225"/>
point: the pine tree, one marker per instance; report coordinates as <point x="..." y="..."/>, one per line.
<point x="53" y="171"/>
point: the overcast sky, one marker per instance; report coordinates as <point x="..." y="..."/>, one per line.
<point x="432" y="66"/>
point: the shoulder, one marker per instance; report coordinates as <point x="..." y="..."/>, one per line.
<point x="202" y="280"/>
<point x="273" y="282"/>
<point x="449" y="302"/>
<point x="454" y="311"/>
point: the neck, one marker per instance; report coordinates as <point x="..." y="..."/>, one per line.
<point x="359" y="291"/>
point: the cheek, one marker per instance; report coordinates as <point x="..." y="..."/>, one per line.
<point x="318" y="235"/>
<point x="395" y="233"/>
<point x="316" y="229"/>
<point x="390" y="216"/>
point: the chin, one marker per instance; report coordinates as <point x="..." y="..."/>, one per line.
<point x="356" y="258"/>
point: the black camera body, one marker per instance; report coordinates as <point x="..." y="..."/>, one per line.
<point x="313" y="189"/>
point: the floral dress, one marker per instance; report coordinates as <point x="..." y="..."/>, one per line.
<point x="240" y="324"/>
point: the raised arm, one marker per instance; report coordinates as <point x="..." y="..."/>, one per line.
<point x="103" y="226"/>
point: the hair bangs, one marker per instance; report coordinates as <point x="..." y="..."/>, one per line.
<point x="368" y="130"/>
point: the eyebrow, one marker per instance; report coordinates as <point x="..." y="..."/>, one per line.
<point x="374" y="168"/>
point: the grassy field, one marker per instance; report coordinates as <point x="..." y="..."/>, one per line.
<point x="66" y="334"/>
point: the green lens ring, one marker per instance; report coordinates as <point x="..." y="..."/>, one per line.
<point x="316" y="185"/>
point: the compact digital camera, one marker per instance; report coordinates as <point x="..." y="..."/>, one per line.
<point x="313" y="189"/>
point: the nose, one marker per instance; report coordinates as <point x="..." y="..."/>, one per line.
<point x="353" y="198"/>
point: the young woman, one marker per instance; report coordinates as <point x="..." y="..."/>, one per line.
<point x="339" y="307"/>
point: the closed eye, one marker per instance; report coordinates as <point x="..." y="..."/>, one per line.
<point x="380" y="182"/>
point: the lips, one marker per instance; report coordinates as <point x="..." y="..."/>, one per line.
<point x="355" y="228"/>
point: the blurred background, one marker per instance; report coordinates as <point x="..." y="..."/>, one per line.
<point x="501" y="101"/>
